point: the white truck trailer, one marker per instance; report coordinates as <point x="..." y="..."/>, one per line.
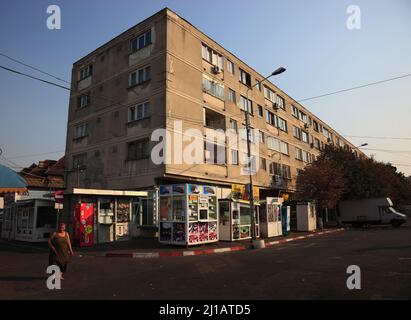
<point x="370" y="211"/>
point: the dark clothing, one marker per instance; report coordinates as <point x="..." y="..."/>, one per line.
<point x="61" y="256"/>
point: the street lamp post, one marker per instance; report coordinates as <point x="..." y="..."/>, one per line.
<point x="248" y="131"/>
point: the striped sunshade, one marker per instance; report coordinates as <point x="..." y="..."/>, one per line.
<point x="11" y="181"/>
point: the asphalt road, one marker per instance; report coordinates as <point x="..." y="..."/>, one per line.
<point x="313" y="268"/>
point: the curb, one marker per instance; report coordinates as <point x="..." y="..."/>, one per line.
<point x="149" y="255"/>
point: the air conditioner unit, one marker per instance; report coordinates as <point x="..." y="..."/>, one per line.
<point x="275" y="106"/>
<point x="306" y="125"/>
<point x="312" y="145"/>
<point x="215" y="69"/>
<point x="329" y="140"/>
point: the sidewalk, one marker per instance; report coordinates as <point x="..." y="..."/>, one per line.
<point x="151" y="248"/>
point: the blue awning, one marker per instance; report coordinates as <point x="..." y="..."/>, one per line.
<point x="11" y="181"/>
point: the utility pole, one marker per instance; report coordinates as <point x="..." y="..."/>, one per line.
<point x="250" y="173"/>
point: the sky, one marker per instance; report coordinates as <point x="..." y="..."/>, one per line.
<point x="309" y="38"/>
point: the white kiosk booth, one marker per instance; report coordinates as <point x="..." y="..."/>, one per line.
<point x="235" y="219"/>
<point x="188" y="214"/>
<point x="271" y="217"/>
<point x="306" y="216"/>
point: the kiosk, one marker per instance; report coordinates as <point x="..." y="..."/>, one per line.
<point x="188" y="214"/>
<point x="235" y="219"/>
<point x="271" y="217"/>
<point x="306" y="216"/>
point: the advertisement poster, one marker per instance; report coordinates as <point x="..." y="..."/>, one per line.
<point x="165" y="190"/>
<point x="83" y="223"/>
<point x="179" y="233"/>
<point x="244" y="232"/>
<point x="193" y="189"/>
<point x="165" y="231"/>
<point x="193" y="207"/>
<point x="165" y="208"/>
<point x="193" y="232"/>
<point x="209" y="190"/>
<point x="203" y="226"/>
<point x="212" y="231"/>
<point x="179" y="189"/>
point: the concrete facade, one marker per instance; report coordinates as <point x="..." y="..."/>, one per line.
<point x="98" y="156"/>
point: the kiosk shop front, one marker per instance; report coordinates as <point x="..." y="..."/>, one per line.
<point x="235" y="219"/>
<point x="306" y="216"/>
<point x="271" y="217"/>
<point x="188" y="214"/>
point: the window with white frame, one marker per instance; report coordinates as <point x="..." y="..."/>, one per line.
<point x="80" y="131"/>
<point x="315" y="125"/>
<point x="269" y="94"/>
<point x="282" y="124"/>
<point x="271" y="118"/>
<point x="303" y="117"/>
<point x="263" y="164"/>
<point x="297" y="132"/>
<point x="260" y="111"/>
<point x="258" y="84"/>
<point x="83" y="101"/>
<point x="317" y="144"/>
<point x="85" y="72"/>
<point x="231" y="95"/>
<point x="251" y="134"/>
<point x="140" y="42"/>
<point x="244" y="77"/>
<point x="230" y="67"/>
<point x="280" y="102"/>
<point x="304" y="136"/>
<point x="298" y="153"/>
<point x="261" y="136"/>
<point x="306" y="156"/>
<point x="234" y="156"/>
<point x="277" y="145"/>
<point x="139" y="111"/>
<point x="139" y="76"/>
<point x="294" y="111"/>
<point x="246" y="104"/>
<point x="233" y="125"/>
<point x="213" y="88"/>
<point x="212" y="56"/>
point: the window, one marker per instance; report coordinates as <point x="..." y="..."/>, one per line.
<point x="212" y="56"/>
<point x="304" y="136"/>
<point x="281" y="102"/>
<point x="327" y="133"/>
<point x="315" y="125"/>
<point x="260" y="111"/>
<point x="213" y="88"/>
<point x="85" y="72"/>
<point x="258" y="85"/>
<point x="282" y="124"/>
<point x="271" y="118"/>
<point x="139" y="76"/>
<point x="277" y="145"/>
<point x="83" y="101"/>
<point x="214" y="153"/>
<point x="286" y="172"/>
<point x="251" y="134"/>
<point x="269" y="94"/>
<point x="297" y="132"/>
<point x="261" y="137"/>
<point x="231" y="95"/>
<point x="303" y="117"/>
<point x="140" y="42"/>
<point x="317" y="144"/>
<point x="230" y="67"/>
<point x="79" y="161"/>
<point x="263" y="163"/>
<point x="306" y="156"/>
<point x="137" y="150"/>
<point x="80" y="131"/>
<point x="246" y="104"/>
<point x="294" y="111"/>
<point x="298" y="153"/>
<point x="234" y="156"/>
<point x="139" y="111"/>
<point x="233" y="125"/>
<point x="245" y="78"/>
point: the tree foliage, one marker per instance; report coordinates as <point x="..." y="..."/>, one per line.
<point x="355" y="178"/>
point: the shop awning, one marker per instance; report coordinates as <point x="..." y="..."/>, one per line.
<point x="11" y="181"/>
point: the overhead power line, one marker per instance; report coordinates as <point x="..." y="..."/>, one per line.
<point x="385" y="150"/>
<point x="35" y="154"/>
<point x="33" y="68"/>
<point x="354" y="88"/>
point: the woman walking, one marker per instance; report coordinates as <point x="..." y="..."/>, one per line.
<point x="60" y="248"/>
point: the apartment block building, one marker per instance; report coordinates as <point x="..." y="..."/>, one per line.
<point x="165" y="70"/>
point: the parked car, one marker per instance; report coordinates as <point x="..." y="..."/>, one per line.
<point x="370" y="211"/>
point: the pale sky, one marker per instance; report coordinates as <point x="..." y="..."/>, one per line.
<point x="309" y="38"/>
